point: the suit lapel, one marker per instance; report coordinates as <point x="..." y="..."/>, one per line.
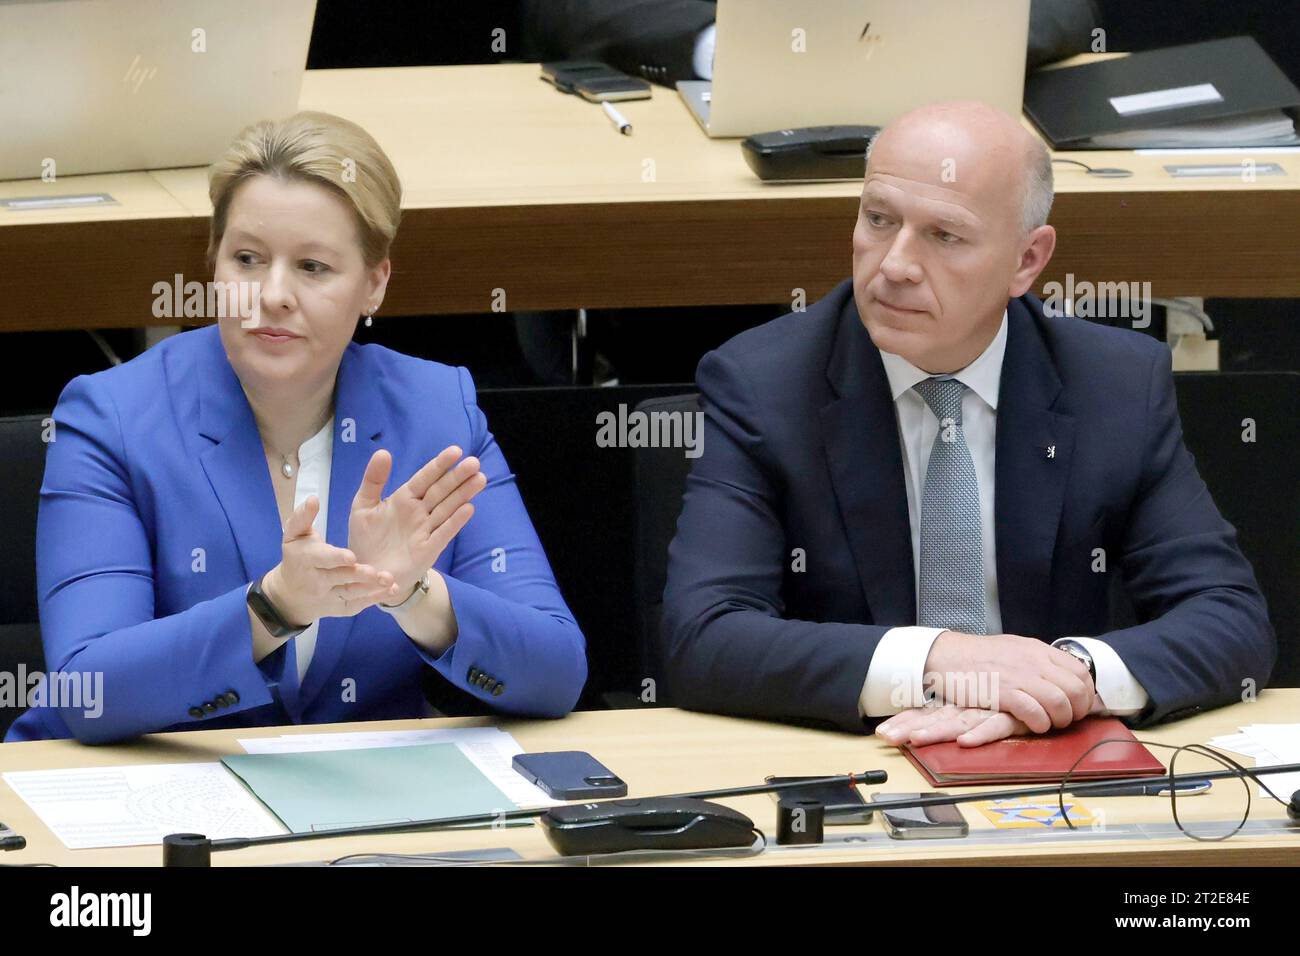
<point x="860" y="438"/>
<point x="359" y="424"/>
<point x="1034" y="449"/>
<point x="235" y="464"/>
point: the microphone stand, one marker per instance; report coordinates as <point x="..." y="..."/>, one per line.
<point x="1082" y="788"/>
<point x="194" y="849"/>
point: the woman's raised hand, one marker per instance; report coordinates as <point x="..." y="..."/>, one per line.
<point x="314" y="579"/>
<point x="404" y="534"/>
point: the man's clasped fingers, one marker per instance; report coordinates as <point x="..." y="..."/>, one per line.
<point x="969" y="726"/>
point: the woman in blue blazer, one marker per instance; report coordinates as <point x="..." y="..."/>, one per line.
<point x="263" y="522"/>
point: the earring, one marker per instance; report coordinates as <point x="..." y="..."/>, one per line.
<point x="370" y="318"/>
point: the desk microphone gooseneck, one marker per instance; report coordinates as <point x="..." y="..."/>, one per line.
<point x="666" y="822"/>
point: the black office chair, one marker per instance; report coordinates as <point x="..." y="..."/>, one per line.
<point x="22" y="449"/>
<point x="1255" y="485"/>
<point x="582" y="501"/>
<point x="660" y="483"/>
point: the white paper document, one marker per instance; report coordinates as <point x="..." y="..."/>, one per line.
<point x="489" y="749"/>
<point x="1270" y="745"/>
<point x="88" y="807"/>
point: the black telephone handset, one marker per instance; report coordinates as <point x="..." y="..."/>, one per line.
<point x="9" y="840"/>
<point x="651" y="823"/>
<point x="809" y="153"/>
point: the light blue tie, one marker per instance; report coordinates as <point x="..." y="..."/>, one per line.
<point x="952" y="552"/>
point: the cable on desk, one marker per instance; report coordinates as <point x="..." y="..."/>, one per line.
<point x="1243" y="773"/>
<point x="755" y="849"/>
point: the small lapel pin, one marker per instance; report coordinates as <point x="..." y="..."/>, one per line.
<point x="1051" y="451"/>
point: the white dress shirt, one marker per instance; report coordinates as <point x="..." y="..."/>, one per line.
<point x="895" y="676"/>
<point x="314" y="458"/>
<point x="702" y="58"/>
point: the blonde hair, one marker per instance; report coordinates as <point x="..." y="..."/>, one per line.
<point x="316" y="148"/>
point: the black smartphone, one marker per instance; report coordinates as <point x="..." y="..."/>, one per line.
<point x="570" y="775"/>
<point x="600" y="89"/>
<point x="922" y="823"/>
<point x="594" y="81"/>
<point x="562" y="73"/>
<point x="845" y="805"/>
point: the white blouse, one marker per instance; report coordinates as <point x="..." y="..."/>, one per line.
<point x="314" y="458"/>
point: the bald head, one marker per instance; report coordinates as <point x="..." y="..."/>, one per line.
<point x="973" y="141"/>
<point x="951" y="226"/>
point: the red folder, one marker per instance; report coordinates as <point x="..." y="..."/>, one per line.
<point x="1038" y="758"/>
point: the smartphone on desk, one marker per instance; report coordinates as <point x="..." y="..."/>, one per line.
<point x="594" y="81"/>
<point x="569" y="775"/>
<point x="922" y="823"/>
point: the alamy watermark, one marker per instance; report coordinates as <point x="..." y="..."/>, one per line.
<point x="73" y="689"/>
<point x="208" y="300"/>
<point x="638" y="429"/>
<point x="966" y="689"/>
<point x="1099" y="300"/>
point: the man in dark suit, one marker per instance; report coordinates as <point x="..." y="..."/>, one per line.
<point x="912" y="496"/>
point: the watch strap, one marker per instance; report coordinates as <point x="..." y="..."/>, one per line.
<point x="269" y="614"/>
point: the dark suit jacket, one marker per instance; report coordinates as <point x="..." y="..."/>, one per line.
<point x="655" y="39"/>
<point x="801" y="450"/>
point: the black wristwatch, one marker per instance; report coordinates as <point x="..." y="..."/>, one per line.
<point x="267" y="613"/>
<point x="1079" y="652"/>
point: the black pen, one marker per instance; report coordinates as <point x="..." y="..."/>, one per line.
<point x="1156" y="788"/>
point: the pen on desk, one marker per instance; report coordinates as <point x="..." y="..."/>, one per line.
<point x="618" y="119"/>
<point x="1155" y="788"/>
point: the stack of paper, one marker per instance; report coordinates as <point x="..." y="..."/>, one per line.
<point x="88" y="807"/>
<point x="1270" y="745"/>
<point x="1272" y="128"/>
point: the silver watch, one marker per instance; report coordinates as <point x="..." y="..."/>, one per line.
<point x="1079" y="652"/>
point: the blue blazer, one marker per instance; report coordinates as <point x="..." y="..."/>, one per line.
<point x="801" y="451"/>
<point x="157" y="510"/>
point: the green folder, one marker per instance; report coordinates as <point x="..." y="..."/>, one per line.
<point x="327" y="789"/>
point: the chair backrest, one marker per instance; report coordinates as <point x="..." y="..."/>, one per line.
<point x="22" y="465"/>
<point x="1243" y="428"/>
<point x="660" y="483"/>
<point x="22" y="451"/>
<point x="581" y="498"/>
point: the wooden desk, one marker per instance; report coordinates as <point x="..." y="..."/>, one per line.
<point x="662" y="751"/>
<point x="511" y="185"/>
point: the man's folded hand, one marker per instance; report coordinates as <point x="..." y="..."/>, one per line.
<point x="969" y="726"/>
<point x="1038" y="684"/>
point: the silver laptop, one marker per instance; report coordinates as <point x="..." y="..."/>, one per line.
<point x="787" y="63"/>
<point x="110" y="85"/>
